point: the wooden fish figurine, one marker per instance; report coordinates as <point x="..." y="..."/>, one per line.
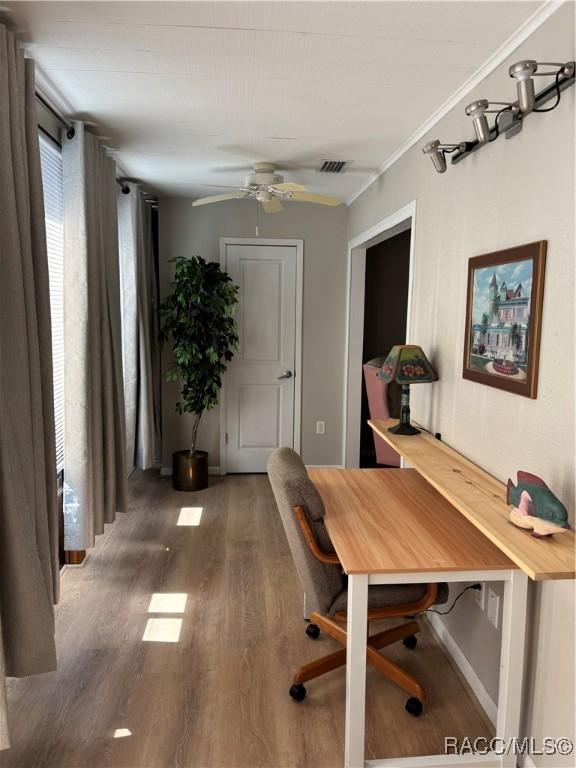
<point x="535" y="506"/>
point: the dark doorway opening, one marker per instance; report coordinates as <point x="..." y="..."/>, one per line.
<point x="385" y="313"/>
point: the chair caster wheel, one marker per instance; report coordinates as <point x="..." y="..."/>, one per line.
<point x="413" y="707"/>
<point x="298" y="692"/>
<point x="410" y="642"/>
<point x="313" y="631"/>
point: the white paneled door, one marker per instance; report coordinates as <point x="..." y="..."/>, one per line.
<point x="262" y="378"/>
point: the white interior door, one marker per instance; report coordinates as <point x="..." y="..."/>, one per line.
<point x="260" y="382"/>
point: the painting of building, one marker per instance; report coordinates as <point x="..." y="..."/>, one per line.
<point x="500" y="318"/>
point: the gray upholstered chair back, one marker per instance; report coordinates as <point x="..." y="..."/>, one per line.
<point x="292" y="487"/>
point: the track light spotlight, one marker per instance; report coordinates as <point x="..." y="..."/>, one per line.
<point x="437" y="152"/>
<point x="478" y="110"/>
<point x="524" y="71"/>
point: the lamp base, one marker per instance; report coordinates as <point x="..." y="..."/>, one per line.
<point x="404" y="429"/>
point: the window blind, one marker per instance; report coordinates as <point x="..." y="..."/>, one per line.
<point x="51" y="160"/>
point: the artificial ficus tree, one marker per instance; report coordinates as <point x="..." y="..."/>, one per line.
<point x="197" y="317"/>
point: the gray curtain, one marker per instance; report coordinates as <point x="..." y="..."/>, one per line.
<point x="28" y="492"/>
<point x="129" y="303"/>
<point x="139" y="329"/>
<point x="148" y="421"/>
<point x="4" y="735"/>
<point x="95" y="456"/>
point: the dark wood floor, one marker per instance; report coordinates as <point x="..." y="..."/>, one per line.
<point x="217" y="697"/>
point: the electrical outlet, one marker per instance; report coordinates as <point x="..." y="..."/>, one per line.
<point x="479" y="596"/>
<point x="320" y="427"/>
<point x="493" y="607"/>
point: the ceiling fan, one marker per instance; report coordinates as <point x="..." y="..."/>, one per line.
<point x="269" y="188"/>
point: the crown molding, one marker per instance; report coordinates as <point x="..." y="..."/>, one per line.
<point x="48" y="91"/>
<point x="532" y="23"/>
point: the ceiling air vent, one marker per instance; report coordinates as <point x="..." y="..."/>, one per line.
<point x="332" y="166"/>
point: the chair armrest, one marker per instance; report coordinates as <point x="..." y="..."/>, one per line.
<point x="319" y="554"/>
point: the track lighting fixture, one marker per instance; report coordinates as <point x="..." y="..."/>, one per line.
<point x="478" y="110"/>
<point x="510" y="116"/>
<point x="524" y="71"/>
<point x="438" y="151"/>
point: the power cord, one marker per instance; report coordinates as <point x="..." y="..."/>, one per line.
<point x="496" y="125"/>
<point x="547" y="109"/>
<point x="557" y="84"/>
<point x="448" y="151"/>
<point x="443" y="613"/>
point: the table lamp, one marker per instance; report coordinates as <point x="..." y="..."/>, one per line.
<point x="406" y="364"/>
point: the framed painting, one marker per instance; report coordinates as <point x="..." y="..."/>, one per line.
<point x="504" y="317"/>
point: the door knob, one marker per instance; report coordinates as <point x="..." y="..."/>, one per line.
<point x="285" y="375"/>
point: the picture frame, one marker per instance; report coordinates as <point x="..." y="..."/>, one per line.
<point x="504" y="317"/>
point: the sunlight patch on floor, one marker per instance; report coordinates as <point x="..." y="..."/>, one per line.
<point x="162" y="631"/>
<point x="190" y="516"/>
<point x="168" y="602"/>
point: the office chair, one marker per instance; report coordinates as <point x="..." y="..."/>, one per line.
<point x="325" y="584"/>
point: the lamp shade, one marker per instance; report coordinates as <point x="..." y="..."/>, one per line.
<point x="407" y="364"/>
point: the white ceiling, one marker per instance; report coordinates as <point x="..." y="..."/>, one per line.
<point x="189" y="91"/>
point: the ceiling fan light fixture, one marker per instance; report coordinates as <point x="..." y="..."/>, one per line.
<point x="264" y="175"/>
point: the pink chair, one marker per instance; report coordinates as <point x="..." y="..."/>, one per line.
<point x="376" y="391"/>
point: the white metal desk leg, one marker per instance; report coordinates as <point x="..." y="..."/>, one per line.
<point x="356" y="671"/>
<point x="512" y="663"/>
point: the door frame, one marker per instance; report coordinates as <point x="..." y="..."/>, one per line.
<point x="399" y="221"/>
<point x="299" y="245"/>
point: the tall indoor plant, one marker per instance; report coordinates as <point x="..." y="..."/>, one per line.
<point x="198" y="319"/>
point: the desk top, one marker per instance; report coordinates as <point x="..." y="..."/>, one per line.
<point x="482" y="500"/>
<point x="393" y="521"/>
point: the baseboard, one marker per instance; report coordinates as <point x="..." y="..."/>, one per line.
<point x="167" y="471"/>
<point x="133" y="471"/>
<point x="324" y="466"/>
<point x="454" y="651"/>
<point x="73" y="567"/>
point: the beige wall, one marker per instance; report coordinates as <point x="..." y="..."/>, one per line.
<point x="187" y="231"/>
<point x="509" y="193"/>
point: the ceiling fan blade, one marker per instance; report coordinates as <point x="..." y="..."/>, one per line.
<point x="225" y="186"/>
<point x="220" y="198"/>
<point x="272" y="206"/>
<point x="308" y="197"/>
<point x="290" y="186"/>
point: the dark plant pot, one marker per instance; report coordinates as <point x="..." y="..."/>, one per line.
<point x="189" y="470"/>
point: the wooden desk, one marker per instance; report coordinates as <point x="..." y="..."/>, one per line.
<point x="389" y="526"/>
<point x="482" y="500"/>
<point x="393" y="521"/>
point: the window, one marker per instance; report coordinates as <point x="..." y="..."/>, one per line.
<point x="51" y="160"/>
